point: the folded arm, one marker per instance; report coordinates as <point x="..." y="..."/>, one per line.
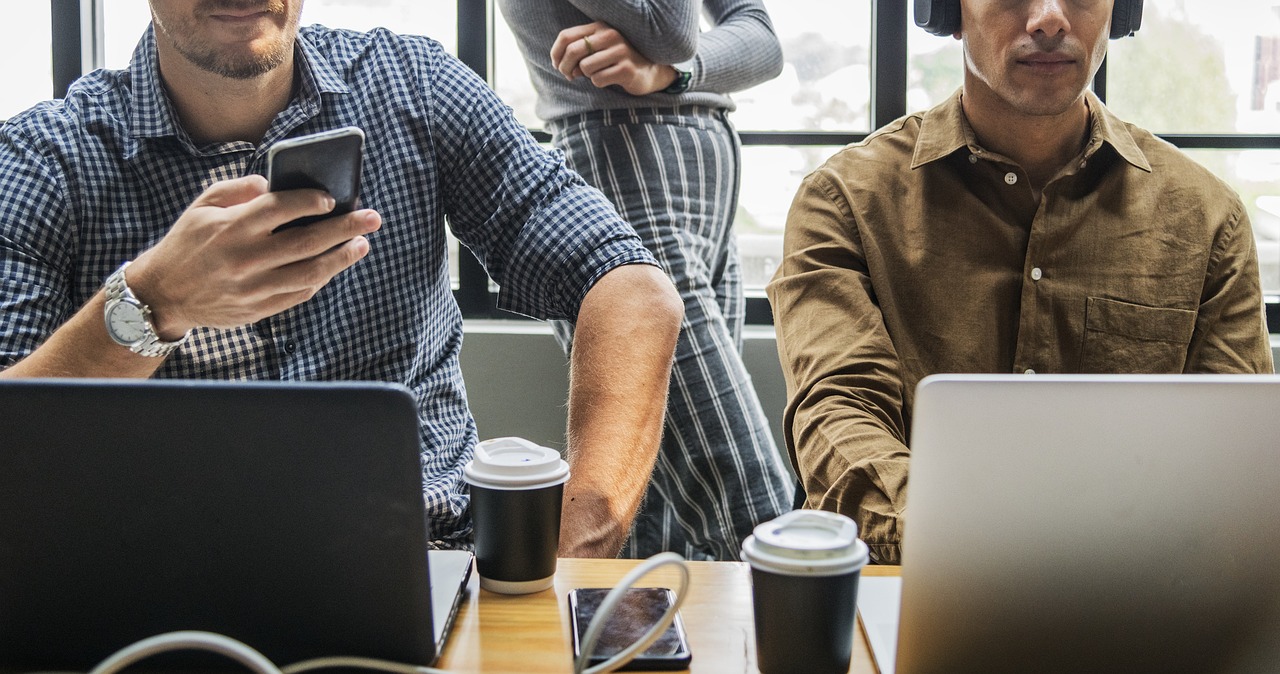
<point x="739" y="52"/>
<point x="665" y="31"/>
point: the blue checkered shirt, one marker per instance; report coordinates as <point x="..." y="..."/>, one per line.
<point x="95" y="179"/>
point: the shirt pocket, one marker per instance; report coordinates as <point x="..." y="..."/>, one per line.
<point x="1125" y="338"/>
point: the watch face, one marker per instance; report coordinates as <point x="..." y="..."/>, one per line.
<point x="128" y="325"/>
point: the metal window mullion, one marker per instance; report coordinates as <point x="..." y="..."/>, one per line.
<point x="888" y="61"/>
<point x="475" y="48"/>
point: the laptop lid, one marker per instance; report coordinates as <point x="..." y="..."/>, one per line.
<point x="286" y="515"/>
<point x="1092" y="523"/>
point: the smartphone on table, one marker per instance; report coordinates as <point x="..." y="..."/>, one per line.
<point x="638" y="611"/>
<point x="329" y="161"/>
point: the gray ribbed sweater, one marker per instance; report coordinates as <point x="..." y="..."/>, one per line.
<point x="739" y="51"/>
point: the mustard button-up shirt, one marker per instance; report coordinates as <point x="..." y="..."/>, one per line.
<point x="917" y="251"/>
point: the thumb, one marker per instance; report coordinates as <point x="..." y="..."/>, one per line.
<point x="227" y="193"/>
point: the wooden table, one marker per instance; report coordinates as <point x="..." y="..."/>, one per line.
<point x="530" y="634"/>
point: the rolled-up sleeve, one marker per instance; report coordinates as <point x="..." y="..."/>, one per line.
<point x="844" y="423"/>
<point x="35" y="248"/>
<point x="540" y="231"/>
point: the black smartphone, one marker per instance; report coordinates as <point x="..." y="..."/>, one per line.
<point x="638" y="611"/>
<point x="329" y="161"/>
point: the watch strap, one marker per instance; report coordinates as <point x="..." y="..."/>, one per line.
<point x="684" y="78"/>
<point x="151" y="345"/>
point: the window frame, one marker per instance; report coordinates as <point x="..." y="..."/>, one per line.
<point x="77" y="49"/>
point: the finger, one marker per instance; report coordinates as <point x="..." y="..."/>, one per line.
<point x="298" y="282"/>
<point x="569" y="36"/>
<point x="602" y="59"/>
<point x="620" y="73"/>
<point x="303" y="243"/>
<point x="227" y="193"/>
<point x="572" y="57"/>
<point x="269" y="211"/>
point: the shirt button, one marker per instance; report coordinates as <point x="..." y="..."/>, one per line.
<point x="1029" y="371"/>
<point x="290" y="347"/>
<point x="1036" y="274"/>
<point x="973" y="159"/>
<point x="1011" y="178"/>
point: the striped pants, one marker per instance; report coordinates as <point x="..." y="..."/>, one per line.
<point x="673" y="174"/>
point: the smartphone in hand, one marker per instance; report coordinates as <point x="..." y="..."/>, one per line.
<point x="638" y="611"/>
<point x="329" y="161"/>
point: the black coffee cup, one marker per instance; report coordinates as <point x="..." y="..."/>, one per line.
<point x="516" y="489"/>
<point x="805" y="567"/>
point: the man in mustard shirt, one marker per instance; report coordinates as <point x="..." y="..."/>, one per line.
<point x="1019" y="227"/>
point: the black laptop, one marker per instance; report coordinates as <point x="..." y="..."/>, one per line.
<point x="286" y="515"/>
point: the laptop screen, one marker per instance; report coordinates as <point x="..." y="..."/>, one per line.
<point x="1092" y="523"/>
<point x="286" y="515"/>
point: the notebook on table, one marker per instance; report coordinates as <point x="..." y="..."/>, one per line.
<point x="289" y="516"/>
<point x="1093" y="523"/>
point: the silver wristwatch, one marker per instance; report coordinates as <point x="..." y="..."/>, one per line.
<point x="129" y="320"/>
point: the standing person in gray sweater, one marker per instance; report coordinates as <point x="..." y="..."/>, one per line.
<point x="636" y="97"/>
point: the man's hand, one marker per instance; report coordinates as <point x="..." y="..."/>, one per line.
<point x="618" y="377"/>
<point x="599" y="52"/>
<point x="221" y="266"/>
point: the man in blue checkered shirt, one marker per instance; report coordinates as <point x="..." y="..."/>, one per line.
<point x="161" y="165"/>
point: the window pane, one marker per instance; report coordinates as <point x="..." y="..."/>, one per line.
<point x="511" y="76"/>
<point x="26" y="46"/>
<point x="437" y="19"/>
<point x="771" y="174"/>
<point x="1200" y="67"/>
<point x="124" y="22"/>
<point x="825" y="84"/>
<point x="935" y="68"/>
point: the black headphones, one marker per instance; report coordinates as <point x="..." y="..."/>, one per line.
<point x="942" y="17"/>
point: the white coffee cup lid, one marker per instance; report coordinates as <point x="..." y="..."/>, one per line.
<point x="515" y="463"/>
<point x="806" y="543"/>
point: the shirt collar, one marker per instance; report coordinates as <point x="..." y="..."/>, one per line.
<point x="944" y="130"/>
<point x="152" y="114"/>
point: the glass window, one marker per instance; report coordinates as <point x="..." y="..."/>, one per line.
<point x="437" y="19"/>
<point x="511" y="76"/>
<point x="825" y="83"/>
<point x="771" y="174"/>
<point x="935" y="68"/>
<point x="1200" y="67"/>
<point x="124" y="22"/>
<point x="26" y="46"/>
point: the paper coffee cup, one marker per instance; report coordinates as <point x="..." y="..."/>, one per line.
<point x="805" y="567"/>
<point x="516" y="491"/>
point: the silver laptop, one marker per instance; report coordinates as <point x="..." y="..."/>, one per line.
<point x="1093" y="524"/>
<point x="288" y="516"/>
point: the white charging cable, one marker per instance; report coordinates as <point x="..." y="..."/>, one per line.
<point x="174" y="641"/>
<point x="258" y="663"/>
<point x="610" y="604"/>
<point x="245" y="655"/>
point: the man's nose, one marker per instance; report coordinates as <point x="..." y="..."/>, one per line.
<point x="1048" y="17"/>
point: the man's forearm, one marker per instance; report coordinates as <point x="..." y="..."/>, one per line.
<point x="81" y="348"/>
<point x="620" y="370"/>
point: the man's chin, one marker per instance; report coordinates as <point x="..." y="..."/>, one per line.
<point x="241" y="67"/>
